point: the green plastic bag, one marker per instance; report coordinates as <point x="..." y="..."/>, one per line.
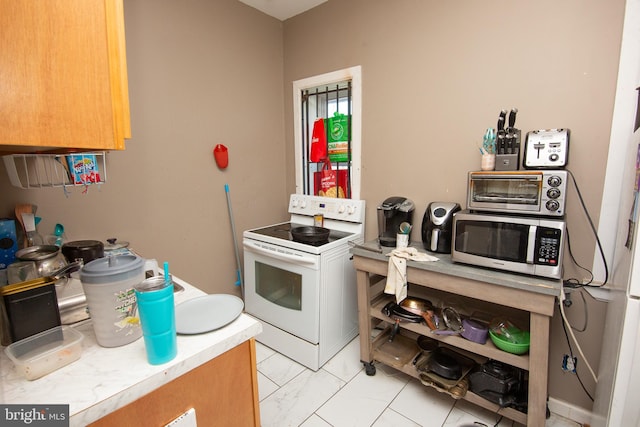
<point x="338" y="137"/>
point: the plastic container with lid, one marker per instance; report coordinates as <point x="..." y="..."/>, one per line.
<point x="108" y="284"/>
<point x="41" y="354"/>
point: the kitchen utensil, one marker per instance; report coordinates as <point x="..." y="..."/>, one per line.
<point x="310" y="234"/>
<point x="452" y="319"/>
<point x="398" y="314"/>
<point x="520" y="346"/>
<point x="474" y="330"/>
<point x="108" y="285"/>
<point x="19" y="210"/>
<point x="30" y="221"/>
<point x="113" y="244"/>
<point x="426" y="344"/>
<point x="207" y="313"/>
<point x="86" y="250"/>
<point x="445" y="365"/>
<point x="154" y="297"/>
<point x="57" y="238"/>
<point x="421" y="307"/>
<point x="512" y="118"/>
<point x="235" y="241"/>
<point x="48" y="258"/>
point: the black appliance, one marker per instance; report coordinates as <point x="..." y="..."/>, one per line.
<point x="393" y="212"/>
<point x="437" y="226"/>
<point x="499" y="383"/>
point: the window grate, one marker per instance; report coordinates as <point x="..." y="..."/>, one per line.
<point x="327" y="102"/>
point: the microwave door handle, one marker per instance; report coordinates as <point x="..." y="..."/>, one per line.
<point x="531" y="245"/>
<point x="278" y="255"/>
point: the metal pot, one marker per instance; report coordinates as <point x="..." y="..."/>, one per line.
<point x="87" y="250"/>
<point x="48" y="258"/>
<point x="310" y="234"/>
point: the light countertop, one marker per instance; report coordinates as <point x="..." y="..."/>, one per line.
<point x="446" y="266"/>
<point x="106" y="379"/>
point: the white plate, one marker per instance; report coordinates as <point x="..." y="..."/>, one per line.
<point x="207" y="313"/>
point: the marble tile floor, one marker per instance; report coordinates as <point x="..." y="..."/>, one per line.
<point x="341" y="394"/>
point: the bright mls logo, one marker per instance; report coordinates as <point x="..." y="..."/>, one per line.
<point x="34" y="415"/>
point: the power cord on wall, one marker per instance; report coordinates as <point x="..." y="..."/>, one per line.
<point x="565" y="324"/>
<point x="573" y="283"/>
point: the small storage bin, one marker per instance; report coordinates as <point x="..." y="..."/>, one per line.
<point x="41" y="354"/>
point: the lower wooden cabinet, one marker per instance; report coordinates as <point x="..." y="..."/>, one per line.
<point x="223" y="391"/>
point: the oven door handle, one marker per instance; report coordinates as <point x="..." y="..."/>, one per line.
<point x="300" y="259"/>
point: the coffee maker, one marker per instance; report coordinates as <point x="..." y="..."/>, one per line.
<point x="393" y="212"/>
<point x="437" y="225"/>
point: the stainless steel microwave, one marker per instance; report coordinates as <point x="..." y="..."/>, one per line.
<point x="519" y="244"/>
<point x="520" y="192"/>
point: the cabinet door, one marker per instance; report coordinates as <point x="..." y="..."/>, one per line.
<point x="224" y="392"/>
<point x="63" y="77"/>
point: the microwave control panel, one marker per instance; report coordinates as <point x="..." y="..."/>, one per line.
<point x="548" y="241"/>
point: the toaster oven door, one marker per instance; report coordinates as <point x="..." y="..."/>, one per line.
<point x="505" y="192"/>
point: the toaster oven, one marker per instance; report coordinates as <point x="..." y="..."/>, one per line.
<point x="535" y="192"/>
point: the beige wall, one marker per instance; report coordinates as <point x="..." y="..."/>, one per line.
<point x="435" y="75"/>
<point x="201" y="72"/>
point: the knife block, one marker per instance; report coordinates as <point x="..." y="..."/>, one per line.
<point x="510" y="162"/>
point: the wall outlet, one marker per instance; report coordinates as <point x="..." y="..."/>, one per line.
<point x="569" y="363"/>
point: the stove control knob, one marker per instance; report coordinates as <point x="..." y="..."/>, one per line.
<point x="303" y="204"/>
<point x="351" y="210"/>
<point x="294" y="202"/>
<point x="341" y="209"/>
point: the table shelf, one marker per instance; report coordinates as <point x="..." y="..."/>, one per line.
<point x="529" y="299"/>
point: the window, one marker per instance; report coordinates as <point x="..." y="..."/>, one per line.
<point x="334" y="99"/>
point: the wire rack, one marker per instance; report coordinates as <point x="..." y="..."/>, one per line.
<point x="56" y="170"/>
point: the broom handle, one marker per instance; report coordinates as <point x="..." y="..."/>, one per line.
<point x="235" y="241"/>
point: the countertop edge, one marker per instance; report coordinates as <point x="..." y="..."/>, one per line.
<point x="445" y="265"/>
<point x="104" y="380"/>
<point x="130" y="395"/>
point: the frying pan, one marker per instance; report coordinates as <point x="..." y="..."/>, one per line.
<point x="398" y="314"/>
<point x="310" y="234"/>
<point x="421" y="307"/>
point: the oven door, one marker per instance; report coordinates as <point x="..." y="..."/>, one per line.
<point x="507" y="192"/>
<point x="282" y="288"/>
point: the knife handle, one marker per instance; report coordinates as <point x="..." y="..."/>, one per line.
<point x="512" y="117"/>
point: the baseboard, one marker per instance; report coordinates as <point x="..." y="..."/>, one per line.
<point x="567" y="410"/>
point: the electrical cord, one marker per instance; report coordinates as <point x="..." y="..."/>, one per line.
<point x="586" y="315"/>
<point x="595" y="233"/>
<point x="566" y="322"/>
<point x="575" y="283"/>
<point x="571" y="354"/>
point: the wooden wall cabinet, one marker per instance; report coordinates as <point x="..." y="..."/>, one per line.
<point x="63" y="76"/>
<point x="223" y="391"/>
